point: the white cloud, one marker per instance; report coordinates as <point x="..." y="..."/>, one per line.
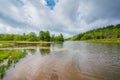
<point x="8" y="29"/>
<point x="68" y="16"/>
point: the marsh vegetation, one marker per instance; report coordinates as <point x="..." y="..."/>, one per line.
<point x="8" y="57"/>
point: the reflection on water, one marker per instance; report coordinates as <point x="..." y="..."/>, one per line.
<point x="32" y="51"/>
<point x="100" y="60"/>
<point x="9" y="58"/>
<point x="68" y="61"/>
<point x="45" y="51"/>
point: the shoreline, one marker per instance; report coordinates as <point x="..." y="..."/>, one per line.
<point x="116" y="40"/>
<point x="7" y="43"/>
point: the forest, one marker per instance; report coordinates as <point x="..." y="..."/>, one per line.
<point x="32" y="36"/>
<point x="107" y="32"/>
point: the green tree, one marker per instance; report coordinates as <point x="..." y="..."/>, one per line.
<point x="41" y="35"/>
<point x="32" y="36"/>
<point x="47" y="36"/>
<point x="24" y="37"/>
<point x="108" y="32"/>
<point x="59" y="38"/>
<point x="17" y="37"/>
<point x="52" y="38"/>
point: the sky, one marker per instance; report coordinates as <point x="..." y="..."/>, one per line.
<point x="69" y="17"/>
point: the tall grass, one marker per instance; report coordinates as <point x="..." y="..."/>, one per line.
<point x="12" y="56"/>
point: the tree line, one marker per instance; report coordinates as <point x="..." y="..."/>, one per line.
<point x="32" y="36"/>
<point x="108" y="32"/>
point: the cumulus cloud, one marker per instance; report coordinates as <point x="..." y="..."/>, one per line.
<point x="69" y="17"/>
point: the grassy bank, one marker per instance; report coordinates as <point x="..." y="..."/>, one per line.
<point x="11" y="57"/>
<point x="9" y="42"/>
<point x="115" y="40"/>
<point x="14" y="55"/>
<point x="5" y="42"/>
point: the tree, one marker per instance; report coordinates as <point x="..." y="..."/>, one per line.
<point x="41" y="35"/>
<point x="24" y="37"/>
<point x="52" y="38"/>
<point x="17" y="37"/>
<point x="47" y="36"/>
<point x="108" y="32"/>
<point x="31" y="36"/>
<point x="59" y="38"/>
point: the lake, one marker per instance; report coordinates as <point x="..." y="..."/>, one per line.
<point x="66" y="61"/>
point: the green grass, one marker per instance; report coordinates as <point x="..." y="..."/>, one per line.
<point x="2" y="71"/>
<point x="115" y="40"/>
<point x="5" y="42"/>
<point x="3" y="55"/>
<point x="12" y="56"/>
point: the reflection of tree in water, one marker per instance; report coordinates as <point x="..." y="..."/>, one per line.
<point x="25" y="45"/>
<point x="32" y="51"/>
<point x="45" y="45"/>
<point x="45" y="49"/>
<point x="56" y="45"/>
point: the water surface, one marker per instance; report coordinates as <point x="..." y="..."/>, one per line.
<point x="67" y="61"/>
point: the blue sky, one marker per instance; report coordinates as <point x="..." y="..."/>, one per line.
<point x="50" y="4"/>
<point x="69" y="17"/>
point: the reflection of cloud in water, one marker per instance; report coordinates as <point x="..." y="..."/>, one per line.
<point x="32" y="51"/>
<point x="49" y="67"/>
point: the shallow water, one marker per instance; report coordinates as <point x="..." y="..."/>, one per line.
<point x="68" y="61"/>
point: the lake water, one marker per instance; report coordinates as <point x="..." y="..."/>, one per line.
<point x="67" y="61"/>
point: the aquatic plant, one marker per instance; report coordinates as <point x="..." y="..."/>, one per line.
<point x="2" y="71"/>
<point x="12" y="56"/>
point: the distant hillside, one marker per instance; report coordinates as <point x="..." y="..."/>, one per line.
<point x="108" y="32"/>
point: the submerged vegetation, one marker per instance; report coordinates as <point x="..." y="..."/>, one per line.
<point x="109" y="33"/>
<point x="10" y="57"/>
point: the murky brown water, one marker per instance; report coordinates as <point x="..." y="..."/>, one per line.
<point x="68" y="61"/>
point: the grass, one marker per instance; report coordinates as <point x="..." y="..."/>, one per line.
<point x="12" y="56"/>
<point x="115" y="40"/>
<point x="3" y="55"/>
<point x="4" y="42"/>
<point x="2" y="71"/>
<point x="9" y="42"/>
